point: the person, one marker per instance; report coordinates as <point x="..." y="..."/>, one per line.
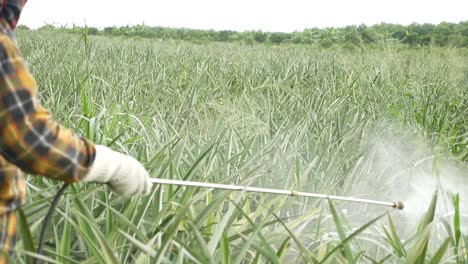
<point x="31" y="142"/>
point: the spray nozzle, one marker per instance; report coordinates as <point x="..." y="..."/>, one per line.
<point x="398" y="205"/>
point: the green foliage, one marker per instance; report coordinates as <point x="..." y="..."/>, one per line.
<point x="394" y="240"/>
<point x="260" y="36"/>
<point x="415" y="35"/>
<point x="278" y="37"/>
<point x="290" y="117"/>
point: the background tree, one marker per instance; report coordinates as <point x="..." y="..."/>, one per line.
<point x="443" y="34"/>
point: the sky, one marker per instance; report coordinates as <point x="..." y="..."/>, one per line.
<point x="240" y="15"/>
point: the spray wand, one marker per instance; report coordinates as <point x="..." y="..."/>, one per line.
<point x="396" y="205"/>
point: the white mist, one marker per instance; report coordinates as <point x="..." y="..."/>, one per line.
<point x="402" y="167"/>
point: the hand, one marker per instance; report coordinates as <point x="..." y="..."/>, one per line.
<point x="124" y="174"/>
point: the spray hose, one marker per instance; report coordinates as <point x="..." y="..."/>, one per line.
<point x="47" y="220"/>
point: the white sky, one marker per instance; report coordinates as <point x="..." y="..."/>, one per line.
<point x="266" y="15"/>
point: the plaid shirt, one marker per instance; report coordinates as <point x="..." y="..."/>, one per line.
<point x="29" y="140"/>
<point x="11" y="10"/>
<point x="8" y="223"/>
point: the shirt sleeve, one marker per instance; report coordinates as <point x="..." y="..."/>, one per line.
<point x="29" y="138"/>
<point x="10" y="10"/>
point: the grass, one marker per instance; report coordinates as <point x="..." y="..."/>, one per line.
<point x="287" y="117"/>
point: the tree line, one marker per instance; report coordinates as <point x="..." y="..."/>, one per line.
<point x="442" y="34"/>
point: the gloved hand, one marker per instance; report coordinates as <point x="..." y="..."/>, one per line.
<point x="124" y="174"/>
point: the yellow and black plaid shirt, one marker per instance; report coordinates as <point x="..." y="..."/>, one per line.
<point x="29" y="140"/>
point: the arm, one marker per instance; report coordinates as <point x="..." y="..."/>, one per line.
<point x="28" y="136"/>
<point x="31" y="140"/>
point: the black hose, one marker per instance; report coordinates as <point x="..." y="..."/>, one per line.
<point x="48" y="219"/>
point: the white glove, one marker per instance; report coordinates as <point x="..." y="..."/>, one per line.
<point x="124" y="174"/>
